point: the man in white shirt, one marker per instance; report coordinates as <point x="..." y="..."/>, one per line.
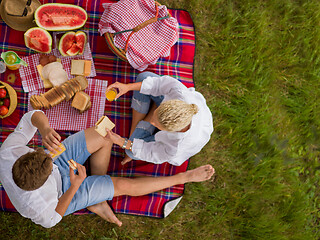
<point x="45" y="189"/>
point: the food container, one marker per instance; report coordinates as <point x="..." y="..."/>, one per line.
<point x="13" y="98"/>
<point x="122" y="53"/>
<point x="12" y="60"/>
<point x="57" y="36"/>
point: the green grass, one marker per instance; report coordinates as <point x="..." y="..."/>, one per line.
<point x="258" y="65"/>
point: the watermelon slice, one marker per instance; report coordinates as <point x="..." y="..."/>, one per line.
<point x="38" y="39"/>
<point x="59" y="16"/>
<point x="72" y="43"/>
<point x="74" y="50"/>
<point x="66" y="42"/>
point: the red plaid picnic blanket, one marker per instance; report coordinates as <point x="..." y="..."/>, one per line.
<point x="69" y="118"/>
<point x="179" y="65"/>
<point x="146" y="45"/>
<point x="30" y="77"/>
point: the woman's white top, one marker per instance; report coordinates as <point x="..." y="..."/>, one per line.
<point x="175" y="147"/>
<point x="39" y="205"/>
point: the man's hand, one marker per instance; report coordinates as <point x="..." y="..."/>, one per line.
<point x="50" y="139"/>
<point x="76" y="180"/>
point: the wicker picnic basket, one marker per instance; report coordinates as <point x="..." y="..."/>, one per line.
<point x="121" y="53"/>
<point x="13" y="99"/>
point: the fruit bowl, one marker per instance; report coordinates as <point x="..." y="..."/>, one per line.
<point x="13" y="99"/>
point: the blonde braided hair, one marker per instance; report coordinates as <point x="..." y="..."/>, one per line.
<point x="175" y="114"/>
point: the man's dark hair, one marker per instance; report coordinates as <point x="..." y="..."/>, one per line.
<point x="32" y="170"/>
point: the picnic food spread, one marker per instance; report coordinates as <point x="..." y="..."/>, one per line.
<point x="52" y="70"/>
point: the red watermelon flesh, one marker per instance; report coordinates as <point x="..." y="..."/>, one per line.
<point x="81" y="40"/>
<point x="38" y="39"/>
<point x="57" y="16"/>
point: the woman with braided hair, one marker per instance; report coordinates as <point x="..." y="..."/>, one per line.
<point x="170" y="122"/>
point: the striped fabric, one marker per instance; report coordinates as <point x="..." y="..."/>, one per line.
<point x="147" y="45"/>
<point x="110" y="68"/>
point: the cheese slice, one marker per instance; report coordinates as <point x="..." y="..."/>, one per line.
<point x="77" y="67"/>
<point x="103" y="123"/>
<point x="53" y="155"/>
<point x="87" y="68"/>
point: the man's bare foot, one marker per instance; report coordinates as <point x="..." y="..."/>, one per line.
<point x="103" y="210"/>
<point x="200" y="174"/>
<point x="126" y="160"/>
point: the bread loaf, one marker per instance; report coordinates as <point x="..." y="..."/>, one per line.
<point x="59" y="93"/>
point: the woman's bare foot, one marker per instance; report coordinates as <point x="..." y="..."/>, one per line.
<point x="200" y="174"/>
<point x="103" y="210"/>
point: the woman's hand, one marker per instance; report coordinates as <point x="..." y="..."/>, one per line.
<point x="50" y="139"/>
<point x="115" y="138"/>
<point x="121" y="87"/>
<point x="76" y="180"/>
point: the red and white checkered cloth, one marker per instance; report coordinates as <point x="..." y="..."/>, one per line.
<point x="147" y="45"/>
<point x="65" y="117"/>
<point x="30" y="77"/>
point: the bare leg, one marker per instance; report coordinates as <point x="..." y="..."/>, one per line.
<point x="100" y="148"/>
<point x="150" y="113"/>
<point x="146" y="185"/>
<point x="136" y="118"/>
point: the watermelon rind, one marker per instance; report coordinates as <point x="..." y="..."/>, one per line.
<point x="62" y="40"/>
<point x="27" y="39"/>
<point x="62" y="27"/>
<point x="81" y="46"/>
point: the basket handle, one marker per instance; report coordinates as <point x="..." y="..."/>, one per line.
<point x="142" y="25"/>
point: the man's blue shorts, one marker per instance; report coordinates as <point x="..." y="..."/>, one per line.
<point x="94" y="189"/>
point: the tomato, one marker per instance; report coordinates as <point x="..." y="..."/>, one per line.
<point x="3" y="93"/>
<point x="6" y="102"/>
<point x="3" y="110"/>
